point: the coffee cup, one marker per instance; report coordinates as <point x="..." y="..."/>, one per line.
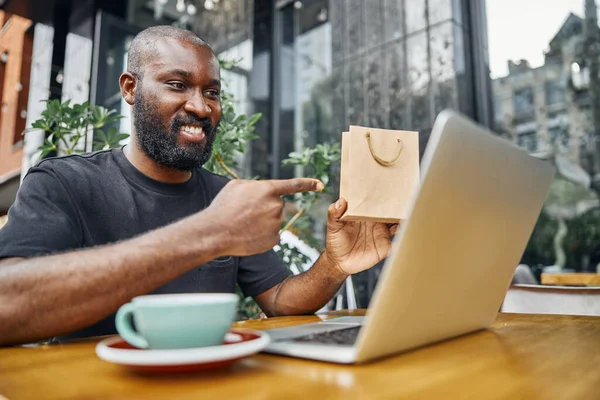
<point x="176" y="321"/>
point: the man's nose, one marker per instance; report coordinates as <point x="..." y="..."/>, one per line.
<point x="196" y="104"/>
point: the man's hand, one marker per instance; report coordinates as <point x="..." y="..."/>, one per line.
<point x="251" y="212"/>
<point x="355" y="246"/>
<point x="351" y="247"/>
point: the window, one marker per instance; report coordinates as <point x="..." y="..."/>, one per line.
<point x="528" y="141"/>
<point x="523" y="103"/>
<point x="555" y="93"/>
<point x="559" y="135"/>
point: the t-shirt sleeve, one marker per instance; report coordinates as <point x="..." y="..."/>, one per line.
<point x="261" y="272"/>
<point x="42" y="219"/>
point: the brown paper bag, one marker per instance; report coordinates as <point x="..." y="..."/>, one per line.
<point x="379" y="173"/>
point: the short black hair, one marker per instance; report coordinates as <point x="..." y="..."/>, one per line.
<point x="143" y="45"/>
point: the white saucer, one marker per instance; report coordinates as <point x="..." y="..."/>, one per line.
<point x="238" y="344"/>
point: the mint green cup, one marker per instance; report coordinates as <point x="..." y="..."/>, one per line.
<point x="177" y="321"/>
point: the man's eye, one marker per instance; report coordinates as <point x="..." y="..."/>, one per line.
<point x="214" y="94"/>
<point x="176" y="85"/>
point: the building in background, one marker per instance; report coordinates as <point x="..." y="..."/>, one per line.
<point x="546" y="110"/>
<point x="39" y="62"/>
<point x="16" y="46"/>
<point x="550" y="106"/>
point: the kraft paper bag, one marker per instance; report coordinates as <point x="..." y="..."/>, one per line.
<point x="379" y="173"/>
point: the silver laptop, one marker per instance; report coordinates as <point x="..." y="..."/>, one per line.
<point x="454" y="256"/>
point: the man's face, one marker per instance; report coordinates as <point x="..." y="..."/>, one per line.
<point x="177" y="105"/>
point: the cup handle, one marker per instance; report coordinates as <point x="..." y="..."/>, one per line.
<point x="125" y="328"/>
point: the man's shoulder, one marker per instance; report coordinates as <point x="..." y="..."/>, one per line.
<point x="77" y="163"/>
<point x="76" y="171"/>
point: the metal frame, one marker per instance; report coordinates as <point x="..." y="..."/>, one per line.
<point x="275" y="86"/>
<point x="478" y="46"/>
<point x="279" y="4"/>
<point x="103" y="23"/>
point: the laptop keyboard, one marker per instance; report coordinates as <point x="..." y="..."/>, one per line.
<point x="346" y="336"/>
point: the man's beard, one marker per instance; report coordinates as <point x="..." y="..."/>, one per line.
<point x="159" y="142"/>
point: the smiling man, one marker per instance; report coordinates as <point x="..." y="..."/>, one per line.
<point x="157" y="87"/>
<point x="89" y="232"/>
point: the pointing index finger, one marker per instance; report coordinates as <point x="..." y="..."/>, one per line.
<point x="297" y="185"/>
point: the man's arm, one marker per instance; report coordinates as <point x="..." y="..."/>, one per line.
<point x="57" y="294"/>
<point x="351" y="247"/>
<point x="52" y="295"/>
<point x="305" y="293"/>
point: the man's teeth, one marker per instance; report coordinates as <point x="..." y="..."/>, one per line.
<point x="192" y="129"/>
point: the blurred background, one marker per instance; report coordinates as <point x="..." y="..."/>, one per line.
<point x="526" y="69"/>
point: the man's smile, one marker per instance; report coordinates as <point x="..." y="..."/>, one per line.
<point x="192" y="133"/>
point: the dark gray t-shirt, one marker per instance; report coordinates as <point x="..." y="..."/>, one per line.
<point x="81" y="201"/>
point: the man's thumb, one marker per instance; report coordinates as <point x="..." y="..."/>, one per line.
<point x="335" y="212"/>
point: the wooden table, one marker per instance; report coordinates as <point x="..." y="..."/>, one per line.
<point x="574" y="279"/>
<point x="521" y="357"/>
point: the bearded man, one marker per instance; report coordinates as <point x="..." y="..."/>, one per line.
<point x="87" y="233"/>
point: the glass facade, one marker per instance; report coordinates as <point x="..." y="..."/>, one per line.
<point x="380" y="63"/>
<point x="313" y="67"/>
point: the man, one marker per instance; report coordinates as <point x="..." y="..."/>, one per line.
<point x="89" y="232"/>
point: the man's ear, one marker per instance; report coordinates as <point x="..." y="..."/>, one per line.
<point x="128" y="83"/>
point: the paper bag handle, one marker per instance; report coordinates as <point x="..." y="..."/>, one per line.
<point x="385" y="163"/>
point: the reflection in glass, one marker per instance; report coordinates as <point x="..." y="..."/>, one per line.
<point x="418" y="80"/>
<point x="416" y="17"/>
<point x="373" y="23"/>
<point x="338" y="29"/>
<point x="356" y="98"/>
<point x="374" y="93"/>
<point x="392" y="19"/>
<point x="443" y="73"/>
<point x="439" y="11"/>
<point x="396" y="88"/>
<point x="355" y="26"/>
<point x="338" y="103"/>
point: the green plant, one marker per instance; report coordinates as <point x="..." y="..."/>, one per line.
<point x="317" y="163"/>
<point x="247" y="307"/>
<point x="233" y="134"/>
<point x="539" y="250"/>
<point x="68" y="127"/>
